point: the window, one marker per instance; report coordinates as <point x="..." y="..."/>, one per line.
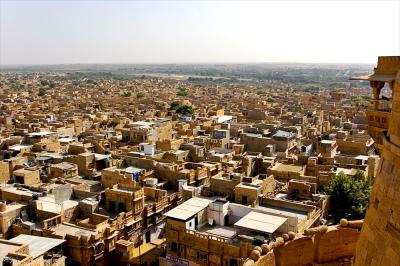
<point x="244" y="200"/>
<point x="19" y="179"/>
<point x="111" y="206"/>
<point x="121" y="207"/>
<point x="233" y="262"/>
<point x="174" y="246"/>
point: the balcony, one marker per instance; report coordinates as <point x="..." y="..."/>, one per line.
<point x="381" y="105"/>
<point x="378" y="119"/>
<point x="138" y="194"/>
<point x="378" y="113"/>
<point x="52" y="222"/>
<point x="160" y="205"/>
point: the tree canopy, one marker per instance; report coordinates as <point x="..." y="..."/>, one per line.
<point x="44" y="82"/>
<point x="174" y="105"/>
<point x="349" y="195"/>
<point x="181" y="109"/>
<point x="185" y="110"/>
<point x="42" y="92"/>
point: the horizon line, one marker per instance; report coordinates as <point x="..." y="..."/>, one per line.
<point x="183" y="63"/>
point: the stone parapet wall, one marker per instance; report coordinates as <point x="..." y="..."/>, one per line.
<point x="333" y="245"/>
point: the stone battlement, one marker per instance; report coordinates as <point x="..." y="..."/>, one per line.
<point x="333" y="245"/>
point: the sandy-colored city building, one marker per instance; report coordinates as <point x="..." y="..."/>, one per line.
<point x="163" y="171"/>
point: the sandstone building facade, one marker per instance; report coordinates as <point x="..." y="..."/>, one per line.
<point x="379" y="242"/>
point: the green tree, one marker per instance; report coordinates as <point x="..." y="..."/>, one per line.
<point x="42" y="92"/>
<point x="140" y="95"/>
<point x="361" y="99"/>
<point x="349" y="195"/>
<point x="44" y="82"/>
<point x="174" y="106"/>
<point x="185" y="110"/>
<point x="270" y="99"/>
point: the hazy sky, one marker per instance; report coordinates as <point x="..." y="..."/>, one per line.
<point x="51" y="32"/>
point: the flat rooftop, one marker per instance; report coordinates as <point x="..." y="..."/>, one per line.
<point x="224" y="231"/>
<point x="18" y="191"/>
<point x="283" y="134"/>
<point x="38" y="245"/>
<point x="284" y="211"/>
<point x="261" y="222"/>
<point x="19" y="147"/>
<point x="287" y="167"/>
<point x="64" y="165"/>
<point x="41" y="133"/>
<point x="6" y="247"/>
<point x="12" y="207"/>
<point x="83" y="181"/>
<point x="188" y="209"/>
<point x="63" y="229"/>
<point x="246" y="185"/>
